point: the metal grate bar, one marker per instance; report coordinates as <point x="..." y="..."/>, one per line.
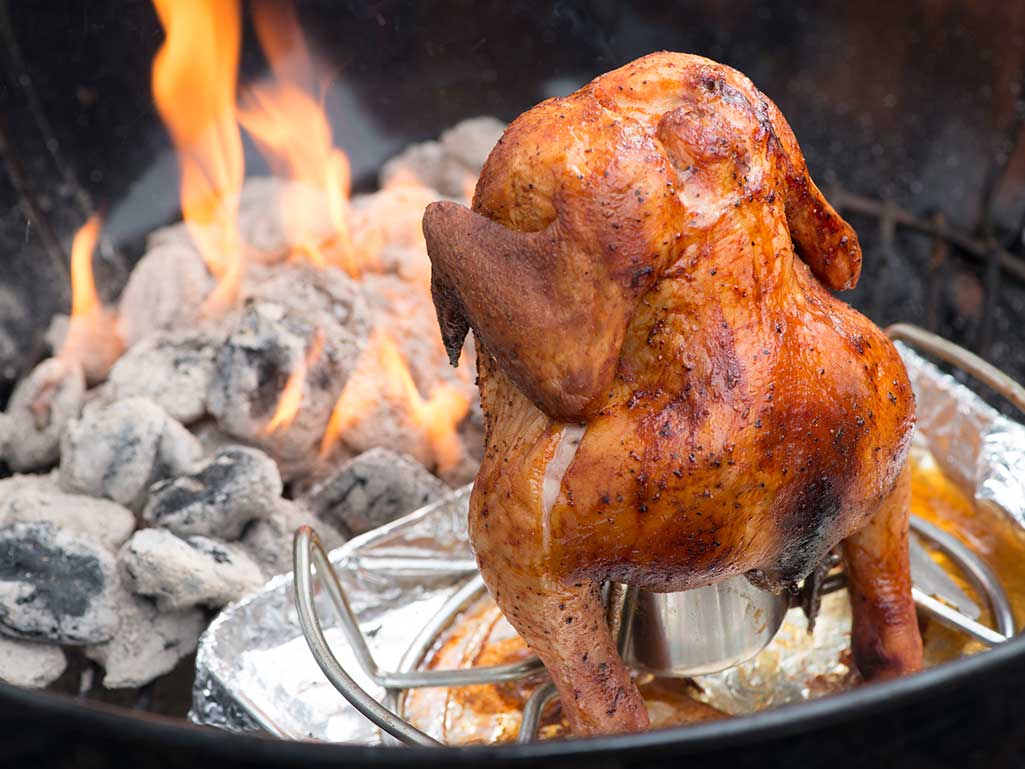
<point x="937" y="265"/>
<point x="978" y="248"/>
<point x="991" y="284"/>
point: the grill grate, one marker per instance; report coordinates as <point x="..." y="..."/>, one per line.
<point x="944" y="252"/>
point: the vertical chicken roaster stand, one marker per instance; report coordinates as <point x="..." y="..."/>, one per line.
<point x="656" y="632"/>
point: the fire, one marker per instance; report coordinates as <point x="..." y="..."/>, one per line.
<point x="469" y="186"/>
<point x="91" y="340"/>
<point x="194" y="83"/>
<point x="84" y="299"/>
<point x="404" y="178"/>
<point x="292" y="394"/>
<point x="383" y="365"/>
<point x="292" y="130"/>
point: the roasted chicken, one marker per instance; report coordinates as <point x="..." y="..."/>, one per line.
<point x="673" y="396"/>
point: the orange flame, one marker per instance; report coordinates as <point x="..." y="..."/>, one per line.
<point x="84" y="299"/>
<point x="469" y="186"/>
<point x="292" y="130"/>
<point x="382" y="363"/>
<point x="403" y="177"/>
<point x="292" y="394"/>
<point x="194" y="82"/>
<point x="91" y="340"/>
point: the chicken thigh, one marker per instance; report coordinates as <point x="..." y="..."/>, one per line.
<point x="672" y="395"/>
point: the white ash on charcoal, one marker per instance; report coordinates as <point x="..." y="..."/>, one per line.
<point x="309" y="294"/>
<point x="277" y="217"/>
<point x="373" y="489"/>
<point x="15" y="484"/>
<point x="404" y="310"/>
<point x="211" y="437"/>
<point x="117" y="451"/>
<point x="235" y="486"/>
<point x="104" y="521"/>
<point x="29" y="664"/>
<point x="261" y="223"/>
<point x="297" y="319"/>
<point x="40" y="407"/>
<point x="252" y="371"/>
<point x="186" y="432"/>
<point x="90" y="340"/>
<point x="176" y="234"/>
<point x="403" y="394"/>
<point x="274" y="217"/>
<point x="57" y="332"/>
<point x="181" y="573"/>
<point x="383" y="408"/>
<point x="166" y="290"/>
<point x="471" y="141"/>
<point x="269" y="541"/>
<point x="427" y="163"/>
<point x="451" y="164"/>
<point x="148" y="642"/>
<point x="56" y="586"/>
<point x="387" y="236"/>
<point x="172" y="369"/>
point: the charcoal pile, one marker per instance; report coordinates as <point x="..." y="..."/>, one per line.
<point x="161" y="459"/>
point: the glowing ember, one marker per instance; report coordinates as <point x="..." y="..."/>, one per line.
<point x="293" y="132"/>
<point x="292" y="394"/>
<point x="194" y="81"/>
<point x="92" y="340"/>
<point x="383" y="376"/>
<point x="469" y="186"/>
<point x="387" y="230"/>
<point x="404" y="177"/>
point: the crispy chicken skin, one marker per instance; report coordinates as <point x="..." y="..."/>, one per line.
<point x="673" y="397"/>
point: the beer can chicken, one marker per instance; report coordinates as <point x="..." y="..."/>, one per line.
<point x="673" y="396"/>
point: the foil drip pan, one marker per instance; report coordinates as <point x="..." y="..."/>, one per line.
<point x="255" y="671"/>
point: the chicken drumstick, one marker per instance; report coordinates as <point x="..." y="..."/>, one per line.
<point x="672" y="395"/>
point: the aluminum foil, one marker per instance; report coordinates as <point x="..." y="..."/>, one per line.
<point x="976" y="446"/>
<point x="254" y="671"/>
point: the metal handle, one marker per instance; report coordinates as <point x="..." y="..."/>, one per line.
<point x="307" y="551"/>
<point x="979" y="575"/>
<point x="308" y="545"/>
<point x="533" y="710"/>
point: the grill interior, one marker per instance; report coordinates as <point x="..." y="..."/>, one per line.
<point x="922" y="149"/>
